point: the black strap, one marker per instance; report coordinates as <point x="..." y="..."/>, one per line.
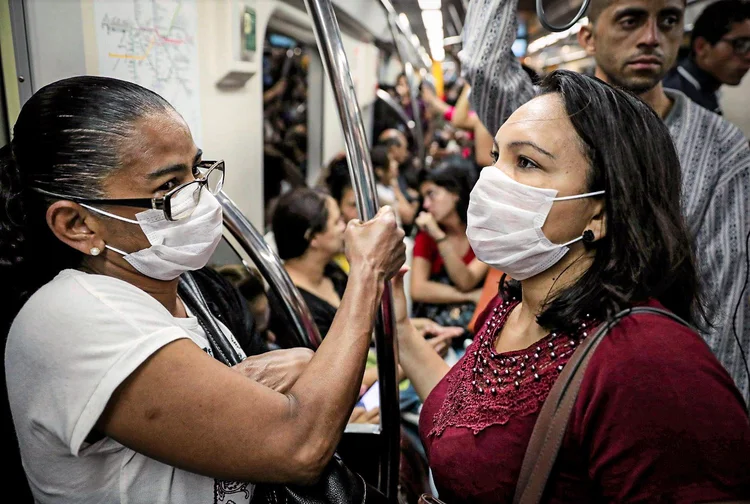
<point x="220" y="345"/>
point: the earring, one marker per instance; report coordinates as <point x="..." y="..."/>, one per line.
<point x="588" y="236"/>
<point x="95" y="251"/>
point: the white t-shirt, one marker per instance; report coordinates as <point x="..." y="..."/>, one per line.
<point x="72" y="344"/>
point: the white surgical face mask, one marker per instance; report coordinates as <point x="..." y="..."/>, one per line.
<point x="176" y="246"/>
<point x="504" y="225"/>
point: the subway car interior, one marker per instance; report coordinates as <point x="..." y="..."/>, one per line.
<point x="398" y="251"/>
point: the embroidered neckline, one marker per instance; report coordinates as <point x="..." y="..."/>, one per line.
<point x="489" y="388"/>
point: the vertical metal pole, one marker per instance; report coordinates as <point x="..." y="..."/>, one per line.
<point x="328" y="36"/>
<point x="21" y="49"/>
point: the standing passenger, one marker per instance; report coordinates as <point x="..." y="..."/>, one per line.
<point x="719" y="53"/>
<point x="586" y="218"/>
<point x="634" y="43"/>
<point x="114" y="393"/>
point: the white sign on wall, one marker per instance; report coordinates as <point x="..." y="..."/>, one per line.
<point x="152" y="43"/>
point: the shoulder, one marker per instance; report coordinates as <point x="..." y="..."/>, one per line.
<point x="424" y="239"/>
<point x="76" y="304"/>
<point x="707" y="143"/>
<point x="720" y="130"/>
<point x="659" y="418"/>
<point x="424" y="245"/>
<point x="673" y="80"/>
<point x="653" y="363"/>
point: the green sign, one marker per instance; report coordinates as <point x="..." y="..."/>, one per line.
<point x="248" y="28"/>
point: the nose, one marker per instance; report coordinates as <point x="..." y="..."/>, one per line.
<point x="650" y="34"/>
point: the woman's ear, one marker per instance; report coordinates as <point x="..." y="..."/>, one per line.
<point x="598" y="223"/>
<point x="74" y="226"/>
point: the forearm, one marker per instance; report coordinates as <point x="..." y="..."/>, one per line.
<point x="499" y="84"/>
<point x="461" y="117"/>
<point x="437" y="293"/>
<point x="421" y="364"/>
<point x="458" y="271"/>
<point x="322" y="398"/>
<point x="407" y="211"/>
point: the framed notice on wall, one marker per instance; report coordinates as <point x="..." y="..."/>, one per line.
<point x="247" y="34"/>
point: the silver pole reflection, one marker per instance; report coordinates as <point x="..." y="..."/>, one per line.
<point x="331" y="47"/>
<point x="396" y="107"/>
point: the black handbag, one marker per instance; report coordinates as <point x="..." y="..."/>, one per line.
<point x="337" y="485"/>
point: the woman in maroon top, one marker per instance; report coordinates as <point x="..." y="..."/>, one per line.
<point x="583" y="207"/>
<point x="446" y="277"/>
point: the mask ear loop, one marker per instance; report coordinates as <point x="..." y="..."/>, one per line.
<point x="568" y="243"/>
<point x="586" y="237"/>
<point x="579" y="196"/>
<point x="123" y="219"/>
<point x="117" y="217"/>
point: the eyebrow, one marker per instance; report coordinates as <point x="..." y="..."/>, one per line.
<point x="534" y="146"/>
<point x="630" y="11"/>
<point x="671" y="10"/>
<point x="176" y="168"/>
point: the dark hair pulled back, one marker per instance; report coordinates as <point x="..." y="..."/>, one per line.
<point x="300" y="214"/>
<point x="68" y="139"/>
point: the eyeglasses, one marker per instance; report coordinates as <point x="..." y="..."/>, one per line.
<point x="178" y="203"/>
<point x="740" y="45"/>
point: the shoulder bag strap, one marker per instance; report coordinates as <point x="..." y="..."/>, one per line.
<point x="221" y="346"/>
<point x="552" y="422"/>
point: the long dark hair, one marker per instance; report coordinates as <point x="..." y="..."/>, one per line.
<point x="300" y="214"/>
<point x="456" y="175"/>
<point x="67" y="140"/>
<point x="646" y="252"/>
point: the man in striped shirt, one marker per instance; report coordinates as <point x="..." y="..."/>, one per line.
<point x="634" y="44"/>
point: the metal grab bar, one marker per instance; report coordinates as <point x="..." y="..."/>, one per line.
<point x="331" y="47"/>
<point x="396" y="107"/>
<point x="301" y="324"/>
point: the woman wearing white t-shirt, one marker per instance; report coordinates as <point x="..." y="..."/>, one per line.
<point x="113" y="394"/>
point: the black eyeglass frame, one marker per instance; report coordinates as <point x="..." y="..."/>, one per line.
<point x="736" y="43"/>
<point x="163" y="203"/>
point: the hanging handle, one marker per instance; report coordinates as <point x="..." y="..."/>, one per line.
<point x="543" y="18"/>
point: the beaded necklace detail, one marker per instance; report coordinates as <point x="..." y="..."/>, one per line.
<point x="490" y="388"/>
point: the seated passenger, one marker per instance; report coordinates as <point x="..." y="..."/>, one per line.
<point x="446" y="276"/>
<point x="309" y="232"/>
<point x="112" y="383"/>
<point x="587" y="216"/>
